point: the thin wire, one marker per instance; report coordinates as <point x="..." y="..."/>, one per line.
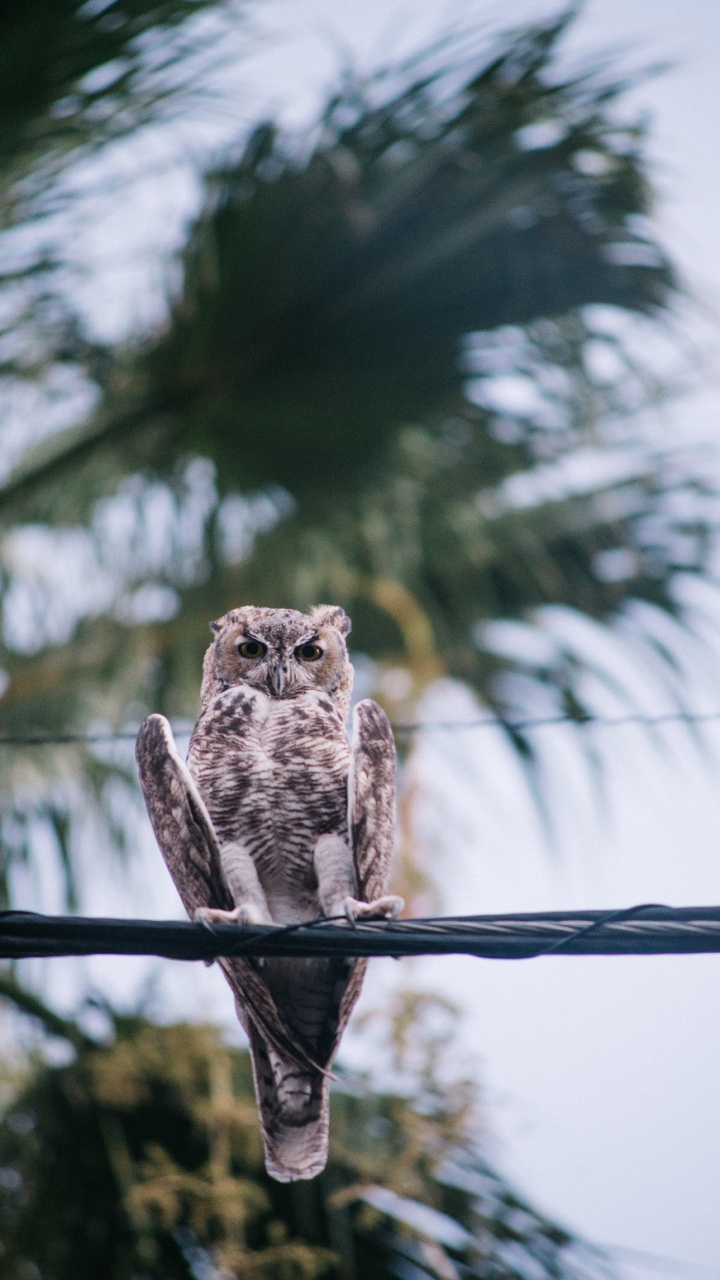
<point x="68" y="739"/>
<point x="401" y="730"/>
<point x="539" y="722"/>
<point x="273" y="931"/>
<point x="613" y="917"/>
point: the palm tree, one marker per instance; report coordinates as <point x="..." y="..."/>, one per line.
<point x="383" y="343"/>
<point x="339" y="350"/>
<point x="78" y="76"/>
<point x="388" y="339"/>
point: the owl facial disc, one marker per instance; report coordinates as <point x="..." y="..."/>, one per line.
<point x="281" y="652"/>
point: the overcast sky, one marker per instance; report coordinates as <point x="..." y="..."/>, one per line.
<point x="600" y="1074"/>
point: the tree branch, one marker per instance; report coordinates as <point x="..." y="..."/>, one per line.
<point x="53" y="1023"/>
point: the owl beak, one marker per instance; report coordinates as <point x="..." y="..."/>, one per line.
<point x="277" y="679"/>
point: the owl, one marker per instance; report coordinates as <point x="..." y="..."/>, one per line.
<point x="276" y="819"/>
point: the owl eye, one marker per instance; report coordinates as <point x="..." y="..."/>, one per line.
<point x="251" y="649"/>
<point x="309" y="652"/>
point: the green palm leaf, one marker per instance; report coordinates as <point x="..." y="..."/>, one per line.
<point x="74" y="76"/>
<point x="319" y="417"/>
<point x="324" y="300"/>
<point x="349" y="310"/>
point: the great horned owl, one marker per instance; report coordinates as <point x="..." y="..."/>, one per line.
<point x="276" y="819"/>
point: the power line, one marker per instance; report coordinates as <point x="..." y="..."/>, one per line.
<point x="75" y="739"/>
<point x="400" y="730"/>
<point x="646" y="929"/>
<point x="579" y="721"/>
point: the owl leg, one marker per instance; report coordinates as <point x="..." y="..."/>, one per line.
<point x="337" y="884"/>
<point x="247" y="893"/>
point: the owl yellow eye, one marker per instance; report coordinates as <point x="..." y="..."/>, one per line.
<point x="251" y="649"/>
<point x="309" y="652"/>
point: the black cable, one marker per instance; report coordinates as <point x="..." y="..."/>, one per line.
<point x="646" y="929"/>
<point x="626" y="913"/>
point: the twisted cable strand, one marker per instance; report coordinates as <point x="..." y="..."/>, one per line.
<point x="644" y="929"/>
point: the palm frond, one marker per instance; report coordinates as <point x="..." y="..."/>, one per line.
<point x="77" y="75"/>
<point x="391" y="345"/>
<point x="325" y="296"/>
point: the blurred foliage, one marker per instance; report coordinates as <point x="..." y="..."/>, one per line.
<point x="74" y="79"/>
<point x="325" y="298"/>
<point x="142" y="1157"/>
<point x="74" y="76"/>
<point x="54" y="798"/>
<point x="347" y="319"/>
<point x="388" y="341"/>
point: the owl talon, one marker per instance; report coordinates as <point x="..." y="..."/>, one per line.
<point x="386" y="908"/>
<point x="242" y="915"/>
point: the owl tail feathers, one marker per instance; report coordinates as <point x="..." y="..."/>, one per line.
<point x="294" y="1109"/>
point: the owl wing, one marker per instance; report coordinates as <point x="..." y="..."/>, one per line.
<point x="371" y="824"/>
<point x="189" y="845"/>
<point x="371" y="798"/>
<point x="179" y="819"/>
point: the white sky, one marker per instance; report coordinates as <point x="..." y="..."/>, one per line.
<point x="600" y="1074"/>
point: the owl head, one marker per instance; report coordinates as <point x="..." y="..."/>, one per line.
<point x="280" y="651"/>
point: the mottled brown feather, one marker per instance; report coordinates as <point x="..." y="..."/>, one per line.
<point x="189" y="846"/>
<point x="179" y="819"/>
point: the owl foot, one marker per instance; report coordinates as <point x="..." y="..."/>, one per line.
<point x="247" y="913"/>
<point x="386" y="908"/>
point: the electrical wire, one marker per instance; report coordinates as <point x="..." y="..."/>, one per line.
<point x="645" y="929"/>
<point x="400" y="730"/>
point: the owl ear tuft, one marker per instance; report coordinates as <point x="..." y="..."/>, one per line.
<point x="215" y="627"/>
<point x="333" y="616"/>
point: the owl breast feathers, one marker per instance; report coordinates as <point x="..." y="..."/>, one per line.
<point x="276" y="819"/>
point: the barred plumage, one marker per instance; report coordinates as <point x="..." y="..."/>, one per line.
<point x="277" y="819"/>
